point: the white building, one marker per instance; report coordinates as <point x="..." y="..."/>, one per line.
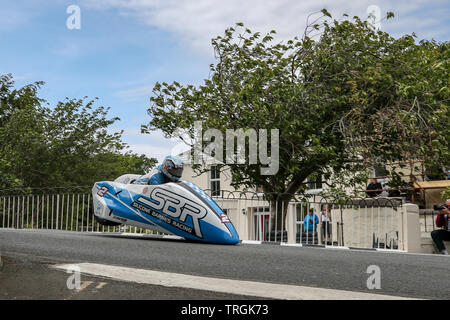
<point x="364" y="225"/>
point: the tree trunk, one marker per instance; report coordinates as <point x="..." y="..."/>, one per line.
<point x="279" y="210"/>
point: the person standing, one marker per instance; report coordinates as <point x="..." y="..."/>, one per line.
<point x="325" y="219"/>
<point x="310" y="225"/>
<point x="311" y="221"/>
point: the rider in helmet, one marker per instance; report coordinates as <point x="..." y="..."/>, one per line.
<point x="169" y="171"/>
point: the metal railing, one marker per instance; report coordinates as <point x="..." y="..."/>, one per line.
<point x="358" y="224"/>
<point x="370" y="223"/>
<point x="68" y="209"/>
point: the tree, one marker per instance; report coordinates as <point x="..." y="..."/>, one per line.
<point x="13" y="100"/>
<point x="343" y="99"/>
<point x="67" y="145"/>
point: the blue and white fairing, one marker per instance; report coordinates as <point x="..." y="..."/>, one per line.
<point x="181" y="208"/>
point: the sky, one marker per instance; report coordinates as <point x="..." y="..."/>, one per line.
<point x="121" y="48"/>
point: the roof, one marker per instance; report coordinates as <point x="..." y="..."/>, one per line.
<point x="436" y="184"/>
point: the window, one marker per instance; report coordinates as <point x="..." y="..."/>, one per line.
<point x="317" y="184"/>
<point x="302" y="210"/>
<point x="314" y="184"/>
<point x="433" y="172"/>
<point x="262" y="209"/>
<point x="214" y="178"/>
<point x="380" y="172"/>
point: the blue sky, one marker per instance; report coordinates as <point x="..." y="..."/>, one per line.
<point x="124" y="46"/>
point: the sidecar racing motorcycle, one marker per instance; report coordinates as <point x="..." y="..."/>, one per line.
<point x="178" y="208"/>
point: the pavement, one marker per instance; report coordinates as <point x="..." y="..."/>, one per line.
<point x="29" y="258"/>
<point x="23" y="278"/>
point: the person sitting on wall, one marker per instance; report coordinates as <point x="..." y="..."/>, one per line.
<point x="374" y="185"/>
<point x="441" y="235"/>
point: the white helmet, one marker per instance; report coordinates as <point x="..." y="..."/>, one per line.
<point x="172" y="168"/>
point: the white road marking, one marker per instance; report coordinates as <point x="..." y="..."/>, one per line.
<point x="291" y="244"/>
<point x="240" y="287"/>
<point x="251" y="242"/>
<point x="337" y="247"/>
<point x="152" y="236"/>
<point x="84" y="284"/>
<point x="101" y="285"/>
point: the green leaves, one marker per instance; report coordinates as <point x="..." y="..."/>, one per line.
<point x="70" y="144"/>
<point x="325" y="12"/>
<point x="341" y="92"/>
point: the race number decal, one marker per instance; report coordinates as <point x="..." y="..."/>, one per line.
<point x="102" y="191"/>
<point x="224" y="218"/>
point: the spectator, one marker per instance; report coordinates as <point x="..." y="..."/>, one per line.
<point x="311" y="221"/>
<point x="441" y="235"/>
<point x="325" y="217"/>
<point x="374" y="185"/>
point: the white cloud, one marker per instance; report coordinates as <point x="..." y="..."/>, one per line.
<point x="152" y="145"/>
<point x="133" y="94"/>
<point x="157" y="150"/>
<point x="12" y="16"/>
<point x="197" y="21"/>
<point x="149" y="150"/>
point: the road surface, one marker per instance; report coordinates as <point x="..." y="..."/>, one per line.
<point x="29" y="258"/>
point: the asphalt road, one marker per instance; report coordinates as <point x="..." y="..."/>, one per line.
<point x="406" y="275"/>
